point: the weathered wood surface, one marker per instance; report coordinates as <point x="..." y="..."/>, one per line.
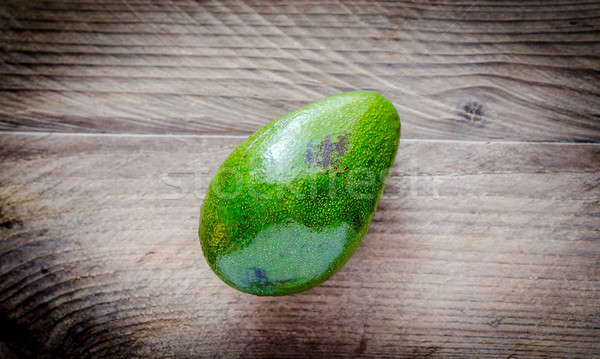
<point x="496" y="257"/>
<point x="478" y="249"/>
<point x="455" y="70"/>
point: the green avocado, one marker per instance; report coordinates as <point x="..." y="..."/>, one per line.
<point x="291" y="204"/>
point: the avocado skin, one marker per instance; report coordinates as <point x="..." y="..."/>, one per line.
<point x="291" y="204"/>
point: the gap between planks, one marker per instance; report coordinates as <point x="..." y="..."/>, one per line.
<point x="166" y="135"/>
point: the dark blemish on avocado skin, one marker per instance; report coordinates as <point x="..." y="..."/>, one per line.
<point x="325" y="149"/>
<point x="256" y="276"/>
<point x="472" y="111"/>
<point x="357" y="221"/>
<point x="342" y="144"/>
<point x="327" y="152"/>
<point x="260" y="274"/>
<point x="310" y="157"/>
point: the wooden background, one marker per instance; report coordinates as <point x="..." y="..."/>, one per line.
<point x="114" y="114"/>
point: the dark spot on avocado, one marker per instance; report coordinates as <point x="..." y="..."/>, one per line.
<point x="327" y="152"/>
<point x="256" y="276"/>
<point x="356" y="220"/>
<point x="260" y="274"/>
<point x="472" y="111"/>
<point x="325" y="149"/>
<point x="342" y="144"/>
<point x="258" y="280"/>
<point x="310" y="156"/>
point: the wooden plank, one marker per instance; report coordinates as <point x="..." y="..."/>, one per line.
<point x="476" y="250"/>
<point x="456" y="70"/>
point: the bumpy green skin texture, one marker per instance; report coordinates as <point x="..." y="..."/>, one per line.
<point x="291" y="204"/>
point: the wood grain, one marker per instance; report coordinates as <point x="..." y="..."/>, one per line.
<point x="496" y="257"/>
<point x="486" y="243"/>
<point x="473" y="70"/>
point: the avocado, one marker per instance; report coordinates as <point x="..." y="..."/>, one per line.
<point x="291" y="204"/>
